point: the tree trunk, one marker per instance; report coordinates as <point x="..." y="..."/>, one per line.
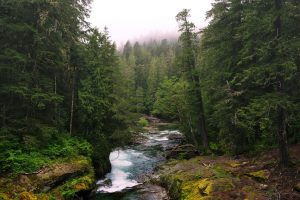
<point x="278" y="5"/>
<point x="192" y="132"/>
<point x="201" y="117"/>
<point x="3" y="115"/>
<point x="72" y="102"/>
<point x="55" y="104"/>
<point x="282" y="137"/>
<point x="202" y="122"/>
<point x="282" y="115"/>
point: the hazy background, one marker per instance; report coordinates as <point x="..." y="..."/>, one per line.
<point x="144" y="19"/>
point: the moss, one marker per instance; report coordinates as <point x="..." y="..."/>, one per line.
<point x="297" y="187"/>
<point x="44" y="197"/>
<point x="261" y="175"/>
<point x="80" y="187"/>
<point x="250" y="192"/>
<point x="199" y="175"/>
<point x="193" y="190"/>
<point x="173" y="184"/>
<point x="27" y="196"/>
<point x="234" y="164"/>
<point x="205" y="188"/>
<point x="3" y="196"/>
<point x="83" y="183"/>
<point x="251" y="195"/>
<point x="82" y="161"/>
<point x="219" y="172"/>
<point x="143" y="122"/>
<point x="71" y="187"/>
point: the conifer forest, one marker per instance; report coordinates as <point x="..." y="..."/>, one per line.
<point x="213" y="113"/>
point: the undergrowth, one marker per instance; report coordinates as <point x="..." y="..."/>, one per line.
<point x="17" y="158"/>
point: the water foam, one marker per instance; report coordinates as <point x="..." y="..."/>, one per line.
<point x="119" y="175"/>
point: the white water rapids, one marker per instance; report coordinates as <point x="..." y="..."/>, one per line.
<point x="127" y="164"/>
<point x="120" y="175"/>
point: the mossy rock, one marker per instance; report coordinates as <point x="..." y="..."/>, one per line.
<point x="261" y="175"/>
<point x="193" y="190"/>
<point x="220" y="185"/>
<point x="235" y="164"/>
<point x="4" y="196"/>
<point x="297" y="187"/>
<point x="80" y="187"/>
<point x="220" y="172"/>
<point x="27" y="196"/>
<point x="76" y="186"/>
<point x="44" y="197"/>
<point x="85" y="183"/>
<point x="205" y="188"/>
<point x="173" y="184"/>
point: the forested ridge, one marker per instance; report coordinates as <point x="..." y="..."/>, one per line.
<point x="67" y="92"/>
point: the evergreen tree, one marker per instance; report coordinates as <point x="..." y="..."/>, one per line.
<point x="188" y="65"/>
<point x="250" y="70"/>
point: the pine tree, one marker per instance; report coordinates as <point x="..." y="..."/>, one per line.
<point x="188" y="65"/>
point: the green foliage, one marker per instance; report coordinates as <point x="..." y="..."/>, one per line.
<point x="249" y="69"/>
<point x="69" y="193"/>
<point x="170" y="99"/>
<point x="75" y="185"/>
<point x="57" y="74"/>
<point x="16" y="159"/>
<point x="143" y="122"/>
<point x="18" y="162"/>
<point x="196" y="119"/>
<point x="143" y="68"/>
<point x="139" y="100"/>
<point x="68" y="147"/>
<point x="240" y="83"/>
<point x="219" y="172"/>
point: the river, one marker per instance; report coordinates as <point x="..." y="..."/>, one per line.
<point x="133" y="166"/>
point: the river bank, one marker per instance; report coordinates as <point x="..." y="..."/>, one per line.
<point x="224" y="177"/>
<point x="64" y="180"/>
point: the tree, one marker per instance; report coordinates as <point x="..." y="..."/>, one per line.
<point x="250" y="69"/>
<point x="188" y="66"/>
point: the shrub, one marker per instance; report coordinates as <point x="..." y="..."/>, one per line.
<point x="15" y="158"/>
<point x="143" y="122"/>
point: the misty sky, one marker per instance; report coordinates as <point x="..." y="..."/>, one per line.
<point x="135" y="19"/>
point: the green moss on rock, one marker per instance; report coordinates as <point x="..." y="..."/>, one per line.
<point x="27" y="196"/>
<point x="261" y="175"/>
<point x="3" y="196"/>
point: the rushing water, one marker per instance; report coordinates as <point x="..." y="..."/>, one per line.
<point x="132" y="167"/>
